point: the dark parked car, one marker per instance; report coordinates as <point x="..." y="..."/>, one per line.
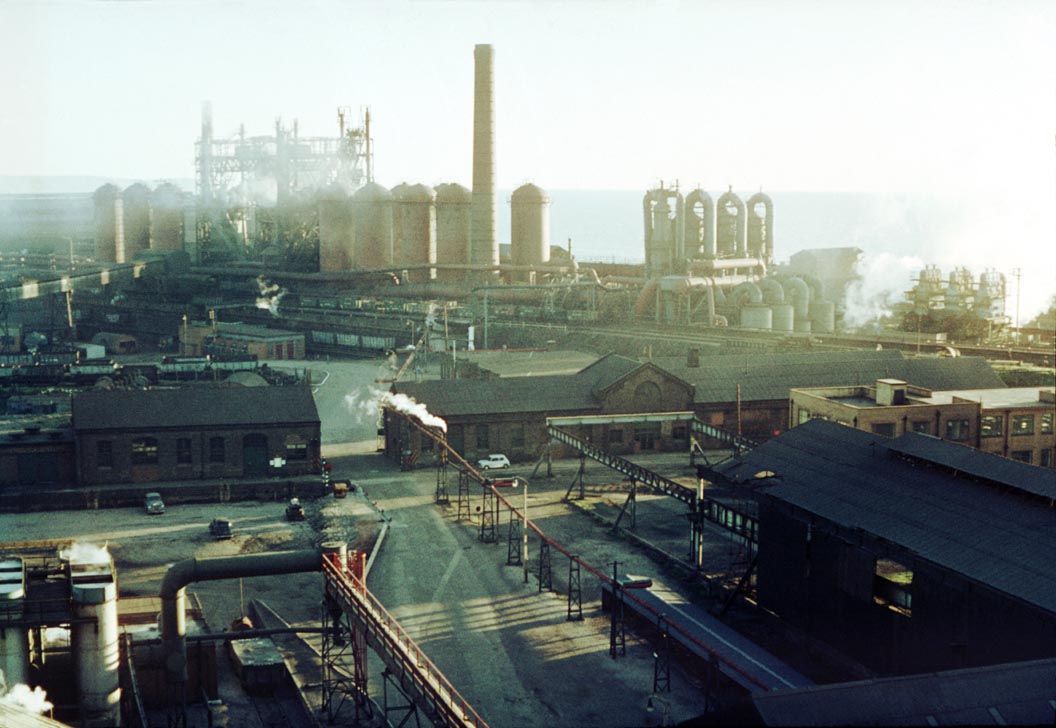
<point x="295" y="511"/>
<point x="220" y="528"/>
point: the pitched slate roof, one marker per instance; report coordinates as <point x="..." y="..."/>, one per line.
<point x="558" y="393"/>
<point x="854" y="479"/>
<point x="224" y="406"/>
<point x="767" y="376"/>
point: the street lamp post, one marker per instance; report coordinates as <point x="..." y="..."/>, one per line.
<point x="524" y="531"/>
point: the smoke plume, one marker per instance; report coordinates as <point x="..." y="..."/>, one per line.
<point x="884" y="280"/>
<point x="86" y="553"/>
<point x="410" y="406"/>
<point x="270" y="295"/>
<point x="22" y="697"/>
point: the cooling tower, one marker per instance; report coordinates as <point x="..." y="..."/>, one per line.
<point x="166" y="210"/>
<point x="136" y="199"/>
<point x="109" y="224"/>
<point x="485" y="245"/>
<point x="414" y="219"/>
<point x="372" y="220"/>
<point x="336" y="230"/>
<point x="453" y="223"/>
<point x="529" y="228"/>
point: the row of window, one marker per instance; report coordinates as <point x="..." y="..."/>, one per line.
<point x="144" y="451"/>
<point x="645" y="432"/>
<point x="992" y="425"/>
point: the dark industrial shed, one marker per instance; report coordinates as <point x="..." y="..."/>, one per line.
<point x="912" y="554"/>
<point x="135" y="436"/>
<point x="508" y="415"/>
<point x="748" y="393"/>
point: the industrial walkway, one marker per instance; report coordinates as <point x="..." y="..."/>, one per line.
<point x="419" y="678"/>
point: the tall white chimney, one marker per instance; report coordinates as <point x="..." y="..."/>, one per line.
<point x="485" y="245"/>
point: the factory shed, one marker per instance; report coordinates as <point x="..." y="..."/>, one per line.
<point x="137" y="436"/>
<point x="238" y="339"/>
<point x="903" y="553"/>
<point x="1018" y="693"/>
<point x="508" y="415"/>
<point x="489" y="364"/>
<point x="748" y="393"/>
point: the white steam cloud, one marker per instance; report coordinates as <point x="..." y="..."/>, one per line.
<point x="410" y="406"/>
<point x="86" y="553"/>
<point x="24" y="698"/>
<point x="885" y="278"/>
<point x="270" y="295"/>
<point x="364" y="403"/>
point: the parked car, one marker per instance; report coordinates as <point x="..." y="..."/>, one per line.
<point x="220" y="528"/>
<point x="494" y="461"/>
<point x="154" y="504"/>
<point x="294" y="511"/>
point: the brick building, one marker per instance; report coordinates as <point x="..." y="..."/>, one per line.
<point x="237" y="339"/>
<point x="136" y="436"/>
<point x="1013" y="422"/>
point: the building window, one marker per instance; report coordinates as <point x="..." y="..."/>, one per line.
<point x="615" y="437"/>
<point x="1022" y="425"/>
<point x="1046" y="423"/>
<point x="892" y="586"/>
<point x="297" y="451"/>
<point x="1046" y="458"/>
<point x="145" y="451"/>
<point x="104" y="454"/>
<point x="183" y="451"/>
<point x="483" y="437"/>
<point x="1023" y="456"/>
<point x="922" y="426"/>
<point x="887" y="429"/>
<point x="646" y="434"/>
<point x="216" y="450"/>
<point x="678" y="432"/>
<point x="992" y="426"/>
<point x="957" y="430"/>
<point x="517" y="434"/>
<point x="804" y="415"/>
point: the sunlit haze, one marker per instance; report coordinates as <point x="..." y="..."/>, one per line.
<point x="952" y="99"/>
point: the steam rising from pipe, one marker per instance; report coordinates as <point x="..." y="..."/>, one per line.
<point x="22" y="697"/>
<point x="86" y="553"/>
<point x="410" y="406"/>
<point x="884" y="279"/>
<point x="270" y="295"/>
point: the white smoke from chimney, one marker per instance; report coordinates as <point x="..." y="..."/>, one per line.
<point x="884" y="281"/>
<point x="86" y="553"/>
<point x="270" y="295"/>
<point x="410" y="406"/>
<point x="24" y="698"/>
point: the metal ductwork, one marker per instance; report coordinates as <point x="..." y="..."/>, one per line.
<point x="772" y="290"/>
<point x="798" y="294"/>
<point x="700" y="225"/>
<point x="746" y="289"/>
<point x="179" y="575"/>
<point x="485" y="245"/>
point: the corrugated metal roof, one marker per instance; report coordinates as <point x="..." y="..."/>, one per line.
<point x="770" y="376"/>
<point x="11" y="717"/>
<point x="193" y="407"/>
<point x="968" y="460"/>
<point x="1019" y="693"/>
<point x="529" y="363"/>
<point x="552" y="394"/>
<point x="852" y="479"/>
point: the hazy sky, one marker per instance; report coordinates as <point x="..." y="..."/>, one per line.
<point x="921" y="96"/>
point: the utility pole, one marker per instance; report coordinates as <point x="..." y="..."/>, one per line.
<point x="1018" y="273"/>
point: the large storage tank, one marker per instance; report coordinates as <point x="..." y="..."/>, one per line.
<point x="14" y="639"/>
<point x="414" y="231"/>
<point x="760" y="227"/>
<point x="137" y="220"/>
<point x="94" y="642"/>
<point x="730" y="239"/>
<point x="783" y="316"/>
<point x="529" y="228"/>
<point x="372" y="219"/>
<point x="823" y="317"/>
<point x="700" y="225"/>
<point x="757" y="316"/>
<point x="109" y="224"/>
<point x="336" y="230"/>
<point x="166" y="209"/>
<point x="454" y="205"/>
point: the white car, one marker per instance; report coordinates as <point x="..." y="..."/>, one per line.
<point x="494" y="461"/>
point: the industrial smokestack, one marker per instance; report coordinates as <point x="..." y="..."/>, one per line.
<point x="485" y="245"/>
<point x="205" y="154"/>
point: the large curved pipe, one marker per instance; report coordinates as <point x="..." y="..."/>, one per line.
<point x="182" y="573"/>
<point x="817" y="288"/>
<point x="645" y="297"/>
<point x="798" y="294"/>
<point x="700" y="228"/>
<point x="730" y="229"/>
<point x="772" y="291"/>
<point x="760" y="236"/>
<point x="748" y="289"/>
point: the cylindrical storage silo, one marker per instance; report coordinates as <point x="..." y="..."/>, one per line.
<point x="109" y="223"/>
<point x="166" y="218"/>
<point x="756" y="316"/>
<point x="760" y="227"/>
<point x="529" y="229"/>
<point x="414" y="232"/>
<point x="372" y="224"/>
<point x="136" y="199"/>
<point x="730" y="229"/>
<point x="823" y="317"/>
<point x="14" y="639"/>
<point x="336" y="232"/>
<point x="802" y="326"/>
<point x="454" y="205"/>
<point x="94" y="643"/>
<point x="783" y="316"/>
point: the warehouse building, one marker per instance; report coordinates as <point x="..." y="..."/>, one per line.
<point x="148" y="435"/>
<point x="1013" y="422"/>
<point x="910" y="554"/>
<point x="238" y="339"/>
